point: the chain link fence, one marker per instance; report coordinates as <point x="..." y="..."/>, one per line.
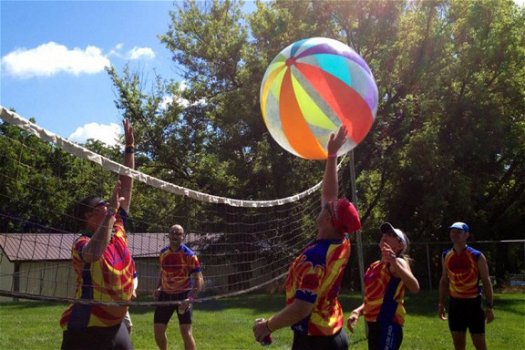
<point x="506" y="261"/>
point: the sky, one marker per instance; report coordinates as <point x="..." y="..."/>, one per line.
<point x="53" y="55"/>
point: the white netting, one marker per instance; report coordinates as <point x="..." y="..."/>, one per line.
<point x="242" y="244"/>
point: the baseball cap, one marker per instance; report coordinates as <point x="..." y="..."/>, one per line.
<point x="460" y="226"/>
<point x="387" y="227"/>
<point x="346" y="216"/>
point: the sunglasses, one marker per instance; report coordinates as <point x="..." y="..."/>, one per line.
<point x="101" y="203"/>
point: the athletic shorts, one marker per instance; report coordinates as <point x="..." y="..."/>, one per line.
<point x="466" y="313"/>
<point x="338" y="341"/>
<point x="99" y="338"/>
<point x="163" y="313"/>
<point x="384" y="336"/>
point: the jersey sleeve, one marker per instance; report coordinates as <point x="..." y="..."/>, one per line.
<point x="309" y="278"/>
<point x="195" y="264"/>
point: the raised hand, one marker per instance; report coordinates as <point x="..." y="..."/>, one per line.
<point x="116" y="199"/>
<point x="387" y="253"/>
<point x="336" y="141"/>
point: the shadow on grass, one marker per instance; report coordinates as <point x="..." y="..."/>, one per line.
<point x="423" y="303"/>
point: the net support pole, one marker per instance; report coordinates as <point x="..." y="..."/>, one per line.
<point x="358" y="233"/>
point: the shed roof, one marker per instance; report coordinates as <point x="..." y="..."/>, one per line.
<point x="57" y="246"/>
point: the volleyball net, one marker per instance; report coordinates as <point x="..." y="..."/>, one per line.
<point x="243" y="245"/>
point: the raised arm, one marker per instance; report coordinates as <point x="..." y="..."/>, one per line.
<point x="98" y="243"/>
<point x="129" y="161"/>
<point x="330" y="183"/>
<point x="400" y="267"/>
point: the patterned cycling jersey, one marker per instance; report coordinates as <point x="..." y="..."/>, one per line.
<point x="107" y="280"/>
<point x="315" y="277"/>
<point x="384" y="295"/>
<point x="176" y="268"/>
<point x="462" y="271"/>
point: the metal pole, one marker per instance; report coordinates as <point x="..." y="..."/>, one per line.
<point x="358" y="233"/>
<point x="358" y="236"/>
<point x="428" y="268"/>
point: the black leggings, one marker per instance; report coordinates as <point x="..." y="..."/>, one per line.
<point x="384" y="336"/>
<point x="99" y="338"/>
<point x="337" y="341"/>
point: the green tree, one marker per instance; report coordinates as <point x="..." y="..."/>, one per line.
<point x="448" y="142"/>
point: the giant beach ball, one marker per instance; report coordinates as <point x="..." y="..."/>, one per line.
<point x="310" y="89"/>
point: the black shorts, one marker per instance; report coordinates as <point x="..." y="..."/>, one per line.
<point x="466" y="313"/>
<point x="384" y="336"/>
<point x="163" y="313"/>
<point x="100" y="338"/>
<point x="338" y="341"/>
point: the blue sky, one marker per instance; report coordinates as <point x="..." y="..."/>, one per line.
<point x="53" y="55"/>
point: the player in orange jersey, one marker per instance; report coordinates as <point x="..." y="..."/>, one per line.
<point x="385" y="283"/>
<point x="104" y="267"/>
<point x="314" y="278"/>
<point x="463" y="268"/>
<point x="180" y="280"/>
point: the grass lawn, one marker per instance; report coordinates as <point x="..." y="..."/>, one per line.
<point x="226" y="324"/>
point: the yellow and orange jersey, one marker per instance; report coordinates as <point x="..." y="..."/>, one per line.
<point x="315" y="276"/>
<point x="176" y="269"/>
<point x="107" y="280"/>
<point x="384" y="295"/>
<point x="462" y="271"/>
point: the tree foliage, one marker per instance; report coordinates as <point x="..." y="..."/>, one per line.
<point x="448" y="141"/>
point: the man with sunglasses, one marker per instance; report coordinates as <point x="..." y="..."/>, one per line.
<point x="385" y="283"/>
<point x="462" y="269"/>
<point x="180" y="280"/>
<point x="104" y="267"/>
<point x="314" y="278"/>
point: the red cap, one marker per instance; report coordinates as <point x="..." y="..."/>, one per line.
<point x="347" y="218"/>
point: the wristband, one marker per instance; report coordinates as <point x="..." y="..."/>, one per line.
<point x="129" y="149"/>
<point x="268" y="325"/>
<point x="489" y="305"/>
<point x="332" y="155"/>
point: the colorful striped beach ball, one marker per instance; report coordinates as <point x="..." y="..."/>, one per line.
<point x="310" y="89"/>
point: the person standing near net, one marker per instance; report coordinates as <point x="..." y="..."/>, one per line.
<point x="314" y="278"/>
<point x="180" y="280"/>
<point x="104" y="268"/>
<point x="463" y="267"/>
<point x="385" y="283"/>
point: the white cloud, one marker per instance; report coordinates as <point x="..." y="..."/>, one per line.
<point x="137" y="53"/>
<point x="115" y="51"/>
<point x="52" y="58"/>
<point x="107" y="133"/>
<point x="166" y="100"/>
